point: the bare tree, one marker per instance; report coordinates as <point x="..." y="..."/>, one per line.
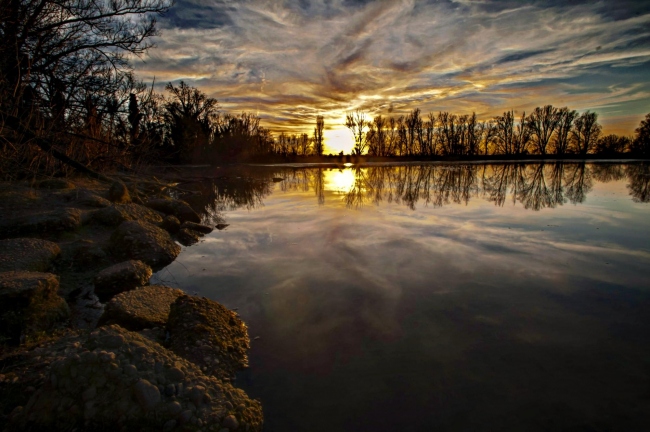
<point x="318" y="135"/>
<point x="566" y="118"/>
<point x="357" y="123"/>
<point x="585" y="133"/>
<point x="641" y="143"/>
<point x="542" y="123"/>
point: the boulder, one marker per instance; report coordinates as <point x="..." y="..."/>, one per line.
<point x="171" y="224"/>
<point x="118" y="213"/>
<point x="145" y="242"/>
<point x="67" y="219"/>
<point x="203" y="229"/>
<point x="84" y="255"/>
<point x="29" y="304"/>
<point x="178" y="208"/>
<point x="121" y="277"/>
<point x="55" y="184"/>
<point x="209" y="335"/>
<point x="118" y="193"/>
<point x="27" y="254"/>
<point x="114" y="379"/>
<point x="145" y="307"/>
<point x="187" y="237"/>
<point x="87" y="198"/>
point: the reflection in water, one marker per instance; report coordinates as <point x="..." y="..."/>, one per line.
<point x="435" y="297"/>
<point x="639" y="178"/>
<point x="535" y="186"/>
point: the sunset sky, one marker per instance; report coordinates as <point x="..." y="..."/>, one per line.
<point x="288" y="61"/>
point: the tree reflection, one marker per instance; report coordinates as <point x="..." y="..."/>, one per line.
<point x="578" y="182"/>
<point x="638" y="176"/>
<point x="220" y="195"/>
<point x="535" y="186"/>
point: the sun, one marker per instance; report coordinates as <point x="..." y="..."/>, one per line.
<point x="337" y="140"/>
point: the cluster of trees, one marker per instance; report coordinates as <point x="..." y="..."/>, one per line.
<point x="67" y="91"/>
<point x="546" y="130"/>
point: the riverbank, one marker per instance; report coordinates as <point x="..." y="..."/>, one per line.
<point x="87" y="343"/>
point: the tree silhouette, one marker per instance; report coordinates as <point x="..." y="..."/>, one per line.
<point x="641" y="143"/>
<point x="542" y="123"/>
<point x="357" y="123"/>
<point x="585" y="132"/>
<point x="318" y="135"/>
<point x="566" y="117"/>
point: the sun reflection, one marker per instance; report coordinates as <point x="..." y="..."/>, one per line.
<point x="339" y="180"/>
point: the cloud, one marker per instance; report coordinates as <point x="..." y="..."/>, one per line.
<point x="291" y="60"/>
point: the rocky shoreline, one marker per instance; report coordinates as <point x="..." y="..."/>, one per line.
<point x="87" y="343"/>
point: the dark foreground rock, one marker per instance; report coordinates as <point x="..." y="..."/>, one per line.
<point x="118" y="213"/>
<point x="121" y="277"/>
<point x="145" y="242"/>
<point x="48" y="222"/>
<point x="171" y="224"/>
<point x="203" y="229"/>
<point x="178" y="208"/>
<point x="86" y="198"/>
<point x="188" y="237"/>
<point x="55" y="184"/>
<point x="206" y="333"/>
<point x="114" y="379"/>
<point x="29" y="304"/>
<point x="142" y="308"/>
<point x="27" y="254"/>
<point x="118" y="193"/>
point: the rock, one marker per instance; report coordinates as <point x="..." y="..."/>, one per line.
<point x="221" y="226"/>
<point x="118" y="213"/>
<point x="87" y="198"/>
<point x="209" y="335"/>
<point x="204" y="229"/>
<point x="55" y="184"/>
<point x="122" y="401"/>
<point x="67" y="219"/>
<point x="178" y="208"/>
<point x="118" y="193"/>
<point x="29" y="304"/>
<point x="187" y="237"/>
<point x="171" y="224"/>
<point x="84" y="255"/>
<point x="121" y="277"/>
<point x="230" y="423"/>
<point x="145" y="307"/>
<point x="147" y="394"/>
<point x="27" y="254"/>
<point x="145" y="242"/>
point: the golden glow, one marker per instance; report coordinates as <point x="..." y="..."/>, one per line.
<point x="339" y="180"/>
<point x="337" y="140"/>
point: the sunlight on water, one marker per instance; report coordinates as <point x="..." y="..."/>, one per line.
<point x="436" y="297"/>
<point x="340" y="181"/>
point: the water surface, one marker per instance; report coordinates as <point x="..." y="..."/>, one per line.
<point x="501" y="297"/>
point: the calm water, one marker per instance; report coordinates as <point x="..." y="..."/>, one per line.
<point x="430" y="297"/>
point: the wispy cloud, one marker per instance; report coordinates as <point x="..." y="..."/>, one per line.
<point x="291" y="60"/>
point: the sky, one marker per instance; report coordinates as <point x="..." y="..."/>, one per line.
<point x="289" y="61"/>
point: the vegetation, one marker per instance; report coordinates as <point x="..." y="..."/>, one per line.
<point x="68" y="97"/>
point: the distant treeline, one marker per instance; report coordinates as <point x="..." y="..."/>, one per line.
<point x="546" y="130"/>
<point x="68" y="97"/>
